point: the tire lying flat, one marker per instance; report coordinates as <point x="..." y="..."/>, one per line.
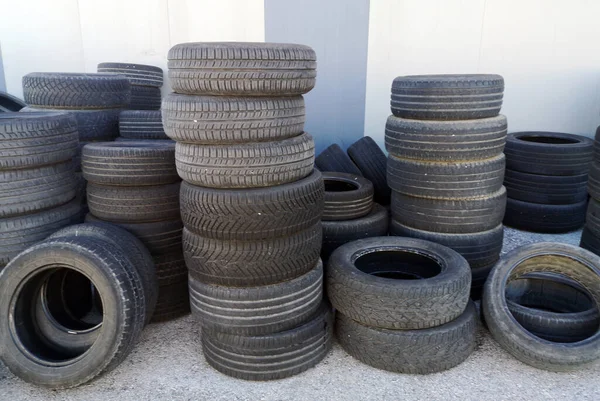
<point x="545" y="218"/>
<point x="347" y="196"/>
<point x="141" y="124"/>
<point x="372" y="163"/>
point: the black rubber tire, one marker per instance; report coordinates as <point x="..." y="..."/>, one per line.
<point x="592" y="217"/>
<point x="347" y="196"/>
<point x="226" y="120"/>
<point x="10" y="103"/>
<point x="446" y="180"/>
<point x="170" y="268"/>
<point x="274" y="356"/>
<point x="36" y="139"/>
<point x="372" y="163"/>
<point x="337" y="233"/>
<point x="134" y="204"/>
<point x="542" y="218"/>
<point x="137" y="74"/>
<point x="239" y="69"/>
<point x="445" y="140"/>
<point x="594" y="180"/>
<point x="253" y="214"/>
<point x="173" y="302"/>
<point x="252" y="263"/>
<point x="144" y="98"/>
<point x="597" y="145"/>
<point x="590" y="241"/>
<point x="333" y="158"/>
<point x="141" y="124"/>
<point x="64" y="90"/>
<point x="135" y="163"/>
<point x="30" y="190"/>
<point x="467" y="215"/>
<point x="447" y="97"/>
<point x="548" y="153"/>
<point x="122" y="297"/>
<point x="570" y="261"/>
<point x="478" y="277"/>
<point x="546" y="189"/>
<point x="257" y="310"/>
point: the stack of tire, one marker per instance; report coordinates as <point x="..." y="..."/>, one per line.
<point x="446" y="167"/>
<point x="145" y="80"/>
<point x="37" y="181"/>
<point x="546" y="181"/>
<point x="251" y="205"/>
<point x="141" y="125"/>
<point x="135" y="185"/>
<point x="590" y="237"/>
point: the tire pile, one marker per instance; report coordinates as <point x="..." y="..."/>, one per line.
<point x="37" y="180"/>
<point x="145" y="81"/>
<point x="546" y="181"/>
<point x="446" y="167"/>
<point x="141" y="125"/>
<point x="251" y="205"/>
<point x="590" y="237"/>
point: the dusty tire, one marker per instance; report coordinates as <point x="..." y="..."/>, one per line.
<point x="546" y="189"/>
<point x="590" y="241"/>
<point x="137" y="74"/>
<point x="347" y="196"/>
<point x="333" y="158"/>
<point x="173" y="302"/>
<point x="542" y="218"/>
<point x="144" y="98"/>
<point x="592" y="217"/>
<point x="372" y="163"/>
<point x="594" y="180"/>
<point x="141" y="124"/>
<point x="170" y="268"/>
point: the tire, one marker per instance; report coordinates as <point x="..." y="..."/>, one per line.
<point x="417" y="284"/>
<point x="458" y="216"/>
<point x="134" y="204"/>
<point x="546" y="189"/>
<point x="410" y="351"/>
<point x="570" y="261"/>
<point x="173" y="302"/>
<point x="597" y="145"/>
<point x="171" y="268"/>
<point x="347" y="196"/>
<point x="479" y="276"/>
<point x="337" y="233"/>
<point x="447" y="97"/>
<point x="123" y="300"/>
<point x="141" y="124"/>
<point x="137" y="74"/>
<point x="242" y="69"/>
<point x="62" y="90"/>
<point x="479" y="249"/>
<point x="334" y="159"/>
<point x="446" y="180"/>
<point x="548" y="153"/>
<point x="590" y="241"/>
<point x="211" y="120"/>
<point x="145" y="98"/>
<point x="257" y="310"/>
<point x="252" y="263"/>
<point x="544" y="218"/>
<point x="135" y="163"/>
<point x="372" y="163"/>
<point x="271" y="357"/>
<point x="10" y="103"/>
<point x="594" y="180"/>
<point x="31" y="190"/>
<point x="253" y="214"/>
<point x="36" y="139"/>
<point x="446" y="141"/>
<point x="592" y="218"/>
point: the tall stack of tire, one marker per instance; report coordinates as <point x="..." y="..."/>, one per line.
<point x="251" y="205"/>
<point x="135" y="185"/>
<point x="37" y="181"/>
<point x="590" y="237"/>
<point x="446" y="167"/>
<point x="546" y="181"/>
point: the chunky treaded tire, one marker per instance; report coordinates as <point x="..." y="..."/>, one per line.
<point x="252" y="263"/>
<point x="592" y="218"/>
<point x="30" y="190"/>
<point x="274" y="356"/>
<point x="369" y="291"/>
<point x="337" y="233"/>
<point x="446" y="180"/>
<point x="445" y="140"/>
<point x="594" y="180"/>
<point x="257" y="310"/>
<point x="570" y="261"/>
<point x="64" y="90"/>
<point x="226" y="119"/>
<point x="447" y="97"/>
<point x="467" y="215"/>
<point x="173" y="302"/>
<point x="170" y="268"/>
<point x="253" y="214"/>
<point x="230" y="68"/>
<point x="137" y="74"/>
<point x="548" y="153"/>
<point x="134" y="204"/>
<point x="410" y="351"/>
<point x="141" y="124"/>
<point x="35" y="139"/>
<point x="372" y="163"/>
<point x="546" y="189"/>
<point x="248" y="165"/>
<point x="132" y="163"/>
<point x="333" y="158"/>
<point x="144" y="98"/>
<point x="542" y="218"/>
<point x="347" y="196"/>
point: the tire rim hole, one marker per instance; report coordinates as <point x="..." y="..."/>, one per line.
<point x="339" y="186"/>
<point x="398" y="265"/>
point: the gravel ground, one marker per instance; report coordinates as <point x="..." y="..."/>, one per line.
<point x="168" y="365"/>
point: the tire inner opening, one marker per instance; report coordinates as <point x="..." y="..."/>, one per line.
<point x="547" y="139"/>
<point x="339" y="186"/>
<point x="398" y="265"/>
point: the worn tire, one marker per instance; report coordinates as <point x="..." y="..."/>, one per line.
<point x="173" y="302"/>
<point x="594" y="180"/>
<point x="144" y="98"/>
<point x="333" y="158"/>
<point x="347" y="196"/>
<point x="137" y="74"/>
<point x="372" y="163"/>
<point x="141" y="124"/>
<point x="170" y="268"/>
<point x="592" y="217"/>
<point x="590" y="241"/>
<point x="542" y="218"/>
<point x="546" y="189"/>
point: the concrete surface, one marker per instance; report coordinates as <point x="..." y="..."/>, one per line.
<point x="168" y="365"/>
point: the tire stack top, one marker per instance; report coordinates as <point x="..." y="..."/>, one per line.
<point x="251" y="204"/>
<point x="446" y="167"/>
<point x="590" y="238"/>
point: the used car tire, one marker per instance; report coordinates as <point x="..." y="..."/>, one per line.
<point x="347" y="196"/>
<point x="173" y="302"/>
<point x="372" y="163"/>
<point x="144" y="98"/>
<point x="546" y="189"/>
<point x="137" y="74"/>
<point x="141" y="124"/>
<point x="594" y="180"/>
<point x="592" y="218"/>
<point x="333" y="158"/>
<point x="545" y="218"/>
<point x="590" y="241"/>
